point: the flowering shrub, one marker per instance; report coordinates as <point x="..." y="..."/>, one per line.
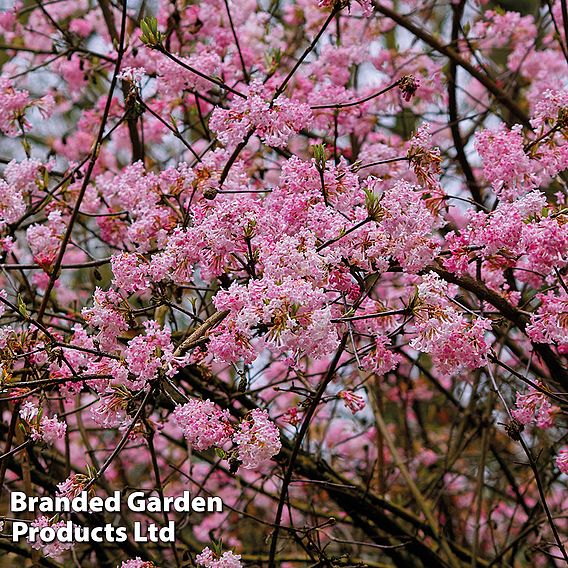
<point x="308" y="256"/>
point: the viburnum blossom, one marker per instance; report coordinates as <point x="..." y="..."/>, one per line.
<point x="293" y="312"/>
<point x="562" y="460"/>
<point x="72" y="486"/>
<point x="534" y="406"/>
<point x="42" y="428"/>
<point x="424" y="157"/>
<point x="136" y="563"/>
<point x="145" y="356"/>
<point x="28" y="411"/>
<point x="203" y="424"/>
<point x="12" y="205"/>
<point x="408" y="224"/>
<point x="353" y="401"/>
<point x="111" y="410"/>
<point x="14" y="103"/>
<point x="130" y="272"/>
<point x="257" y="439"/>
<point x="366" y="5"/>
<point x="227" y="559"/>
<point x="52" y="549"/>
<point x="550" y="322"/>
<point x="50" y="429"/>
<point x="506" y="165"/>
<point x="107" y="316"/>
<point x="452" y="341"/>
<point x="273" y="120"/>
<point x="44" y="240"/>
<point x="380" y="359"/>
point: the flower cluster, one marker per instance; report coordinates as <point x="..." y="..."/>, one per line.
<point x="257" y="439"/>
<point x="137" y="563"/>
<point x="204" y="425"/>
<point x="453" y="342"/>
<point x="52" y="549"/>
<point x="209" y="559"/>
<point x="274" y="120"/>
<point x="534" y="406"/>
<point x="42" y="428"/>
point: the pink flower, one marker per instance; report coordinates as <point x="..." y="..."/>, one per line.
<point x="45" y="239"/>
<point x="366" y="6"/>
<point x="292" y="310"/>
<point x="12" y="205"/>
<point x="14" y="104"/>
<point x="42" y="428"/>
<point x="52" y="429"/>
<point x="562" y="460"/>
<point x="28" y="411"/>
<point x="209" y="559"/>
<point x="506" y="166"/>
<point x="147" y="354"/>
<point x="258" y="439"/>
<point x="174" y="79"/>
<point x="534" y="406"/>
<point x="408" y="225"/>
<point x="130" y="272"/>
<point x="354" y="402"/>
<point x="50" y="549"/>
<point x="72" y="486"/>
<point x="550" y="323"/>
<point x="273" y="121"/>
<point x="453" y="342"/>
<point x="136" y="563"/>
<point x="203" y="424"/>
<point x="381" y="360"/>
<point x="106" y="316"/>
<point x="111" y="410"/>
<point x="81" y="27"/>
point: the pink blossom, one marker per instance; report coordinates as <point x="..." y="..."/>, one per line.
<point x="14" y="104"/>
<point x="28" y="411"/>
<point x="353" y="401"/>
<point x="366" y="6"/>
<point x="562" y="460"/>
<point x="534" y="406"/>
<point x="72" y="486"/>
<point x="550" y="322"/>
<point x="209" y="559"/>
<point x="51" y="429"/>
<point x="506" y="165"/>
<point x="273" y="121"/>
<point x="50" y="549"/>
<point x="148" y="353"/>
<point x="106" y="316"/>
<point x="380" y="359"/>
<point x="130" y="272"/>
<point x="12" y="205"/>
<point x="257" y="439"/>
<point x="136" y="563"/>
<point x="203" y="424"/>
<point x="111" y="410"/>
<point x="453" y="342"/>
<point x="45" y="239"/>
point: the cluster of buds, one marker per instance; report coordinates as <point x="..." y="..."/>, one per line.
<point x="151" y="37"/>
<point x="320" y="156"/>
<point x="373" y="206"/>
<point x="75" y="484"/>
<point x="353" y="401"/>
<point x="408" y="85"/>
